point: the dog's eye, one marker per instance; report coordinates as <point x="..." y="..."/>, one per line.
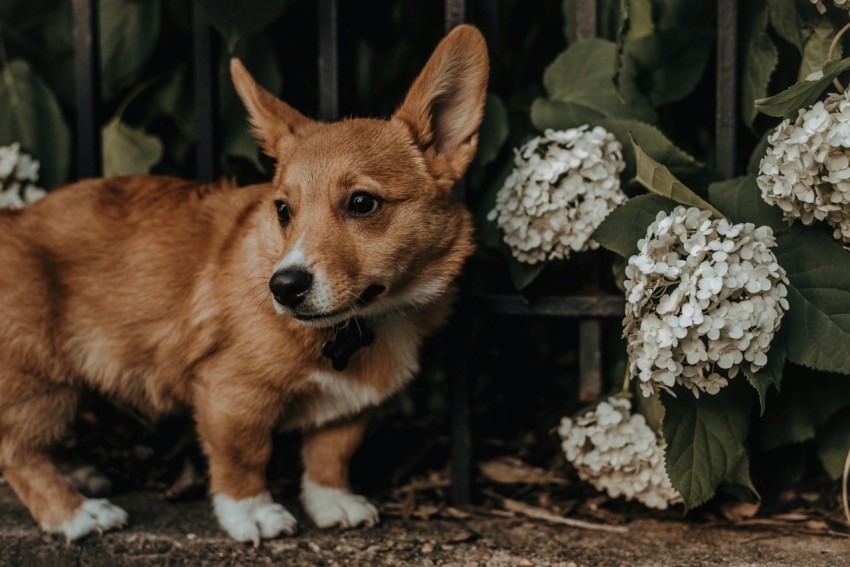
<point x="283" y="213"/>
<point x="362" y="204"/>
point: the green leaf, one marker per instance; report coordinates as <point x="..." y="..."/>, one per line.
<point x="757" y="154"/>
<point x="129" y="30"/>
<point x="802" y="94"/>
<point x="24" y="12"/>
<point x="771" y="373"/>
<point x="257" y="54"/>
<point x="654" y="143"/>
<point x="818" y="320"/>
<point x="640" y="22"/>
<point x="705" y="441"/>
<point x="807" y="401"/>
<point x="760" y="61"/>
<point x="625" y="225"/>
<point x="833" y="443"/>
<point x="235" y="20"/>
<point x="52" y="48"/>
<point x="170" y="97"/>
<point x="658" y="179"/>
<point x="786" y="21"/>
<point x="561" y="115"/>
<point x="738" y="482"/>
<point x="740" y="200"/>
<point x="522" y="274"/>
<point x="583" y="74"/>
<point x="128" y="150"/>
<point x="30" y="114"/>
<point x="665" y="66"/>
<point x="651" y="408"/>
<point x="493" y="131"/>
<point x="671" y="14"/>
<point x="816" y="48"/>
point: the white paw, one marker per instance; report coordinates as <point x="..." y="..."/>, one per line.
<point x="93" y="516"/>
<point x="329" y="507"/>
<point x="252" y="519"/>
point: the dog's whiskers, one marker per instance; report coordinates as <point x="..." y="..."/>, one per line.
<point x="249" y="291"/>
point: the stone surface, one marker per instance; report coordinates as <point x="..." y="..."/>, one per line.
<point x="162" y="534"/>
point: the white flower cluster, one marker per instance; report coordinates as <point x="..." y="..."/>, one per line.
<point x="616" y="451"/>
<point x="18" y="176"/>
<point x="562" y="187"/>
<point x="806" y="169"/>
<point x="842" y="4"/>
<point x="702" y="295"/>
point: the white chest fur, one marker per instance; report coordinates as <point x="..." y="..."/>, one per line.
<point x="342" y="394"/>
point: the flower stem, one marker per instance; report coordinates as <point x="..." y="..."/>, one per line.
<point x="831" y="54"/>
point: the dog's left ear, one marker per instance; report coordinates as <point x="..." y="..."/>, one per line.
<point x="443" y="108"/>
<point x="274" y="122"/>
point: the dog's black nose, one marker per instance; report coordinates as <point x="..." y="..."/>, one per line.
<point x="290" y="286"/>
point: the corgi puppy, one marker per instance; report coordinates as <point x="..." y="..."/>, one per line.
<point x="295" y="304"/>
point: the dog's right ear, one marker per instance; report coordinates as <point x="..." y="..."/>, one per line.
<point x="274" y="122"/>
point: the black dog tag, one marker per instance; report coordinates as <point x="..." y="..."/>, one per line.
<point x="347" y="340"/>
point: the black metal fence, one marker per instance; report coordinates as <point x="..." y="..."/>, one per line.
<point x="589" y="310"/>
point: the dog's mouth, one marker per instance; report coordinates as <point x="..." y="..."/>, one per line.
<point x="369" y="294"/>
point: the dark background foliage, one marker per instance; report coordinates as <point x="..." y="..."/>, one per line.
<point x="650" y="74"/>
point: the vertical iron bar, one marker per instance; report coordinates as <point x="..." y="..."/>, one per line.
<point x="727" y="46"/>
<point x="206" y="95"/>
<point x="590" y="330"/>
<point x="489" y="21"/>
<point x="328" y="63"/>
<point x="586" y="19"/>
<point x="461" y="438"/>
<point x="461" y="444"/>
<point x="87" y="87"/>
<point x="455" y="13"/>
<point x="590" y="360"/>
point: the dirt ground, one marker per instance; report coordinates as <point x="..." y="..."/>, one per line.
<point x="163" y="533"/>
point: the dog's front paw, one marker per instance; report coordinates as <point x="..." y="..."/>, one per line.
<point x="252" y="519"/>
<point x="329" y="507"/>
<point x="94" y="515"/>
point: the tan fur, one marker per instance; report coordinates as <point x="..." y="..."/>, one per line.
<point x="155" y="290"/>
<point x="327" y="451"/>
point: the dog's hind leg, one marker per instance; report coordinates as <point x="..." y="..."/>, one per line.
<point x="325" y="491"/>
<point x="34" y="415"/>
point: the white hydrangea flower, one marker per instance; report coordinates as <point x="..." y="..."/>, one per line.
<point x="18" y="177"/>
<point x="616" y="451"/>
<point x="842" y="4"/>
<point x="703" y="297"/>
<point x="562" y="187"/>
<point x="806" y="169"/>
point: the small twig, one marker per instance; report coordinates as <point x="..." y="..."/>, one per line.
<point x="788" y="527"/>
<point x="844" y="500"/>
<point x="419" y="485"/>
<point x="547" y="516"/>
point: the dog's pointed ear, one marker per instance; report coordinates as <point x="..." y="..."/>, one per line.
<point x="443" y="108"/>
<point x="274" y="122"/>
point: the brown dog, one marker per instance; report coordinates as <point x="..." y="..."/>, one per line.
<point x="156" y="292"/>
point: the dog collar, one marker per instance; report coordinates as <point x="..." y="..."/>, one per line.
<point x="349" y="337"/>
